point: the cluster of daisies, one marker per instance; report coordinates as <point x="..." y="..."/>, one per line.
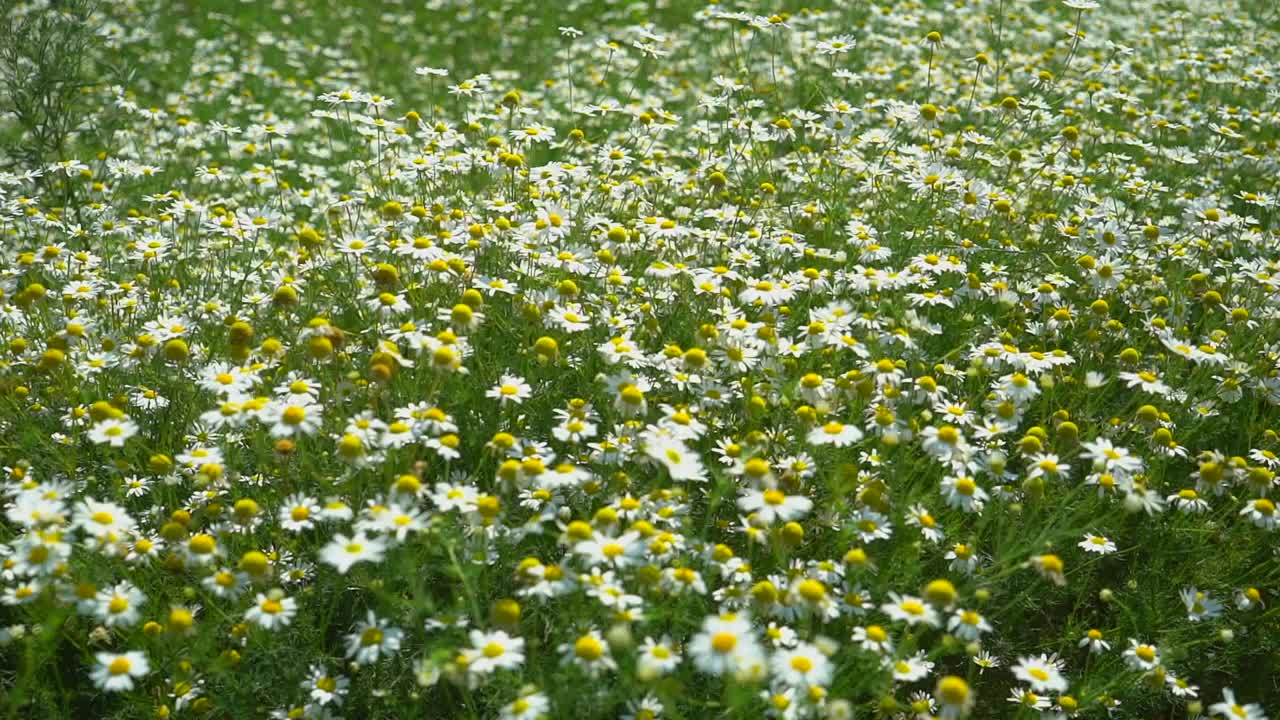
<point x="901" y="360"/>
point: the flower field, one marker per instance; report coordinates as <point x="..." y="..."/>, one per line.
<point x="606" y="359"/>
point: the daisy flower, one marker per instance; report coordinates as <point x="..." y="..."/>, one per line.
<point x="1050" y="566"/>
<point x="910" y="669"/>
<point x="963" y="493"/>
<point x="726" y="646"/>
<point x="681" y="463"/>
<point x="773" y="505"/>
<point x="1096" y="544"/>
<point x="803" y="666"/>
<point x="1095" y="642"/>
<point x="344" y="551"/>
<point x="656" y="657"/>
<point x="945" y="444"/>
<point x="120" y="606"/>
<point x="963" y="558"/>
<point x="226" y="583"/>
<point x="531" y="706"/>
<point x="1147" y="382"/>
<point x="968" y="625"/>
<point x="1018" y="388"/>
<point x="570" y="318"/>
<point x="99" y="520"/>
<point x="873" y="638"/>
<point x="1231" y="709"/>
<point x="1141" y="656"/>
<point x="619" y="552"/>
<point x="911" y="610"/>
<point x="835" y="434"/>
<point x="985" y="661"/>
<point x="116" y="672"/>
<point x="299" y="512"/>
<point x="1029" y="698"/>
<point x="1200" y="606"/>
<point x="954" y="697"/>
<point x="1248" y="598"/>
<point x="372" y="639"/>
<point x="1042" y="672"/>
<point x="1261" y="512"/>
<point x="589" y="652"/>
<point x="510" y="389"/>
<point x="325" y="689"/>
<point x="272" y="610"/>
<point x="113" y="432"/>
<point x="289" y="420"/>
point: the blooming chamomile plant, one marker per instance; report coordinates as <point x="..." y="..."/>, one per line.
<point x="909" y="359"/>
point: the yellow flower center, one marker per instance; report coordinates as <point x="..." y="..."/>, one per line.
<point x="588" y="648"/>
<point x="724" y="642"/>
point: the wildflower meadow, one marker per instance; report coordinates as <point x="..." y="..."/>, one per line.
<point x="479" y="359"/>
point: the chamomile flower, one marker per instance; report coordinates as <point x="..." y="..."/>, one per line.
<point x="324" y="688"/>
<point x="802" y="666"/>
<point x="911" y="610"/>
<point x="530" y="706"/>
<point x="1051" y="567"/>
<point x="620" y="552"/>
<point x="726" y="646"/>
<point x="910" y="669"/>
<point x="113" y="432"/>
<point x="964" y="493"/>
<point x="299" y="512"/>
<point x="1141" y="656"/>
<point x="954" y="696"/>
<point x="590" y="652"/>
<point x="373" y="638"/>
<point x="656" y="658"/>
<point x="510" y="389"/>
<point x="291" y="420"/>
<point x="1199" y="604"/>
<point x="1028" y="698"/>
<point x="343" y="551"/>
<point x="873" y="638"/>
<point x="1093" y="639"/>
<point x="1097" y="544"/>
<point x="272" y="610"/>
<point x="1042" y="672"/>
<point x="118" y="672"/>
<point x="968" y="625"/>
<point x="679" y="460"/>
<point x="835" y="434"/>
<point x="1231" y="709"/>
<point x="1261" y="512"/>
<point x="120" y="605"/>
<point x="100" y="520"/>
<point x="772" y="505"/>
